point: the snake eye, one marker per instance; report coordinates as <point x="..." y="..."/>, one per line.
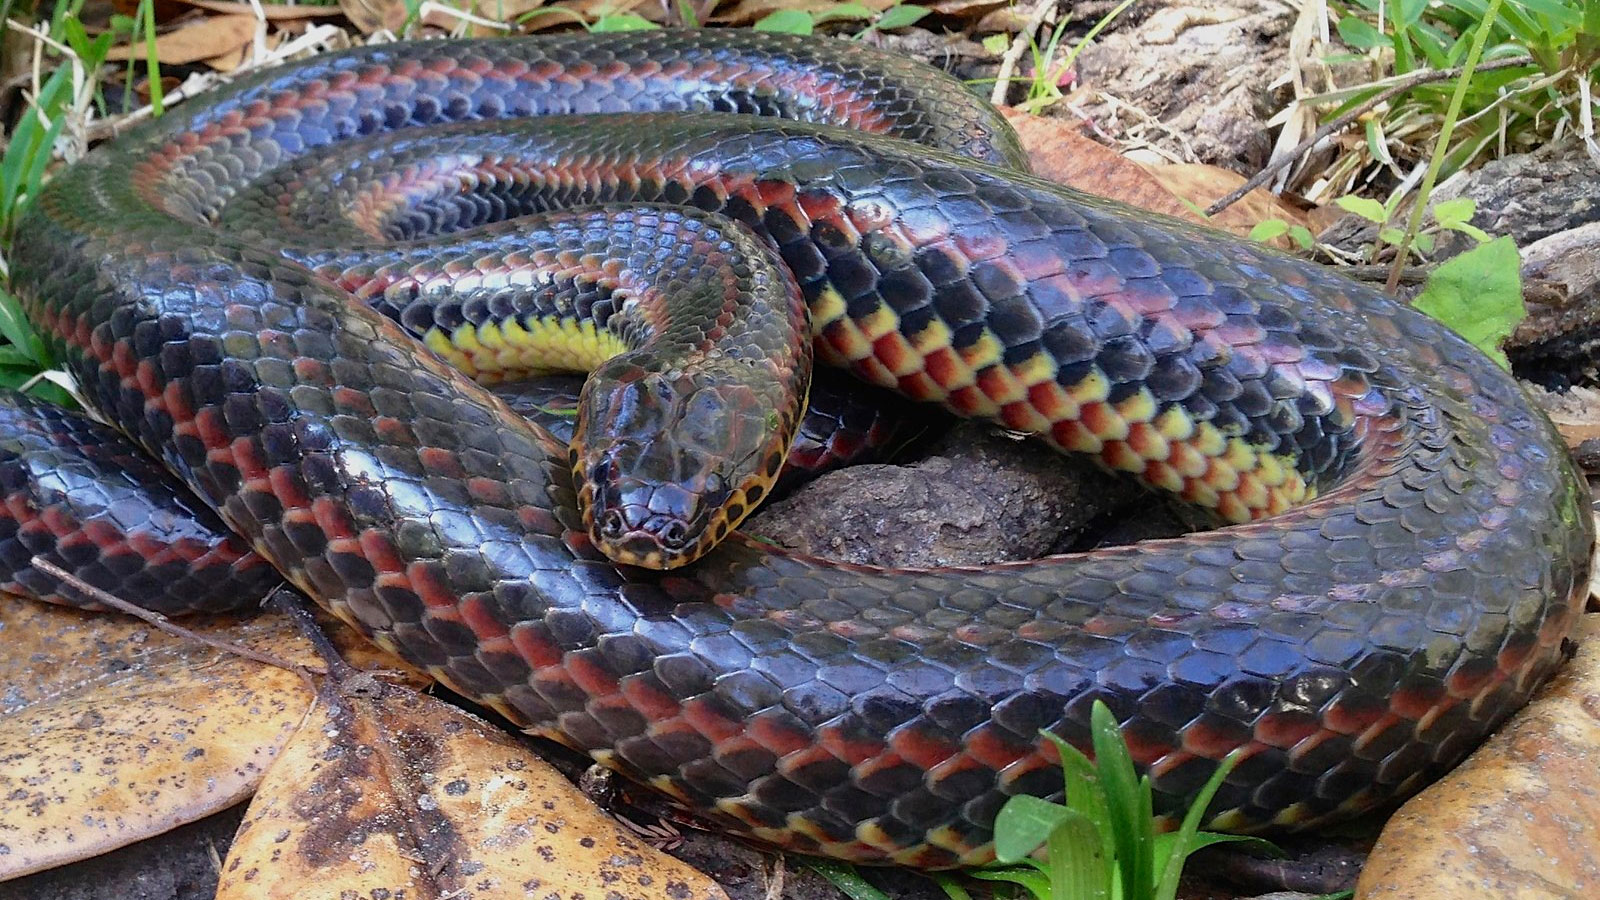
<point x="611" y="524"/>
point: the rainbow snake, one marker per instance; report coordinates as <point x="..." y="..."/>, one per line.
<point x="1411" y="546"/>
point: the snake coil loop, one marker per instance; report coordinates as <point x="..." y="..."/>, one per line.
<point x="1412" y="543"/>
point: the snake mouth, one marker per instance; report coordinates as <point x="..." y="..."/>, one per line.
<point x="650" y="522"/>
<point x="658" y="542"/>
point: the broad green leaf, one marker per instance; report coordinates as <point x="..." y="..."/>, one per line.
<point x="1451" y="212"/>
<point x="1431" y="43"/>
<point x="901" y="16"/>
<point x="623" y="22"/>
<point x="1407" y="12"/>
<point x="786" y="21"/>
<point x="1302" y="237"/>
<point x="997" y="43"/>
<point x="841" y="11"/>
<point x="1269" y="229"/>
<point x="1478" y="295"/>
<point x="1076" y="860"/>
<point x="1371" y="210"/>
<point x="1358" y="33"/>
<point x="1472" y="231"/>
<point x="1561" y="14"/>
<point x="1023" y="824"/>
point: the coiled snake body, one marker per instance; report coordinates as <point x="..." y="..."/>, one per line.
<point x="1354" y="645"/>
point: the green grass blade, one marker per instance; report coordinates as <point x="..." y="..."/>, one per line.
<point x="11" y="357"/>
<point x="1027" y="877"/>
<point x="28" y="152"/>
<point x="147" y="19"/>
<point x="23" y="339"/>
<point x="951" y="887"/>
<point x="1130" y="825"/>
<point x="1167" y="887"/>
<point x="1085" y="793"/>
<point x="1166" y="844"/>
<point x="846" y="879"/>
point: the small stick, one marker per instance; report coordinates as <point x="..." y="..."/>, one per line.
<point x="1008" y="63"/>
<point x="288" y="603"/>
<point x="162" y="623"/>
<point x="1409" y="275"/>
<point x="1344" y="121"/>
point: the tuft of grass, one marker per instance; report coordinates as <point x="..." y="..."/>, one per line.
<point x="62" y="98"/>
<point x="1101" y="844"/>
<point x="1544" y="54"/>
<point x="1044" y="88"/>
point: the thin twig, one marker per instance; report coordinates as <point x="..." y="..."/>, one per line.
<point x="290" y="604"/>
<point x="162" y="623"/>
<point x="1008" y="63"/>
<point x="1341" y="123"/>
<point x="1408" y="275"/>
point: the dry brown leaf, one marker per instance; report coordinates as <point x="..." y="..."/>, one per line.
<point x="968" y="9"/>
<point x="1204" y="185"/>
<point x="744" y="12"/>
<point x="210" y="37"/>
<point x="164" y="10"/>
<point x="1518" y="819"/>
<point x="111" y="731"/>
<point x="272" y="12"/>
<point x="1575" y="433"/>
<point x="236" y="57"/>
<point x="510" y="11"/>
<point x="1059" y="152"/>
<point x="589" y="10"/>
<point x="231" y="60"/>
<point x="386" y="792"/>
<point x="369" y="16"/>
<point x="1575" y="413"/>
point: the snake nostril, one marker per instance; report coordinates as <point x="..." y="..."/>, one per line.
<point x="674" y="536"/>
<point x="611" y="524"/>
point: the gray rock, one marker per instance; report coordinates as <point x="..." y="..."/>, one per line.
<point x="1527" y="196"/>
<point x="1203" y="69"/>
<point x="983" y="498"/>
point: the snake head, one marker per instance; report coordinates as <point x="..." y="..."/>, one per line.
<point x="668" y="463"/>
